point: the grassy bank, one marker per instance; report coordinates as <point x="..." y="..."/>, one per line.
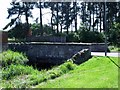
<point x="98" y="72"/>
<point x="17" y="74"/>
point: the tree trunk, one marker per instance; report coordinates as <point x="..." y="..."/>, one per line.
<point x="97" y="17"/>
<point x="57" y="19"/>
<point x="75" y="12"/>
<point x="62" y="17"/>
<point x="41" y="26"/>
<point x="93" y="17"/>
<point x="26" y="18"/>
<point x="51" y="21"/>
<point x="83" y="13"/>
<point x="67" y="18"/>
<point x="100" y="17"/>
<point x="90" y="18"/>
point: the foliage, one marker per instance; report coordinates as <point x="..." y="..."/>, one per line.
<point x="13" y="70"/>
<point x="47" y="30"/>
<point x="60" y="34"/>
<point x="12" y="75"/>
<point x="114" y="34"/>
<point x="114" y="48"/>
<point x="85" y="36"/>
<point x="21" y="76"/>
<point x="9" y="57"/>
<point x="91" y="37"/>
<point x="19" y="9"/>
<point x="62" y="69"/>
<point x="35" y="29"/>
<point x="72" y="37"/>
<point x="19" y="31"/>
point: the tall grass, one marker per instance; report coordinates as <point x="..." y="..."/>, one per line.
<point x="15" y="68"/>
<point x="9" y="57"/>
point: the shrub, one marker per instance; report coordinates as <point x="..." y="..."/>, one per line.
<point x="91" y="37"/>
<point x="34" y="76"/>
<point x="114" y="34"/>
<point x="62" y="69"/>
<point x="9" y="57"/>
<point x="47" y="30"/>
<point x="13" y="70"/>
<point x="72" y="37"/>
<point x="37" y="78"/>
<point x="68" y="65"/>
<point x="20" y="31"/>
<point x="85" y="36"/>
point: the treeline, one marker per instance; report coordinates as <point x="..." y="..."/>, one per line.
<point x="65" y="14"/>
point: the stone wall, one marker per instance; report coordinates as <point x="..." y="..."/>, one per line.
<point x="54" y="53"/>
<point x="3" y="40"/>
<point x="98" y="47"/>
<point x="47" y="52"/>
<point x="81" y="56"/>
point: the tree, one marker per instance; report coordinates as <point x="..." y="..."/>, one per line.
<point x="76" y="9"/>
<point x="35" y="29"/>
<point x="19" y="31"/>
<point x="40" y="6"/>
<point x="54" y="7"/>
<point x="19" y="9"/>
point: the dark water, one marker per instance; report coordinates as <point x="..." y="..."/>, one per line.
<point x="41" y="66"/>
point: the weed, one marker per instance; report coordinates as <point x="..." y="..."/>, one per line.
<point x="13" y="70"/>
<point x="9" y="57"/>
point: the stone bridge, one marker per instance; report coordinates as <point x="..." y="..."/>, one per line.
<point x="55" y="53"/>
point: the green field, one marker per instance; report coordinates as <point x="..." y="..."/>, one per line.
<point x="98" y="72"/>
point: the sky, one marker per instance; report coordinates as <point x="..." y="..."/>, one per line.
<point x="3" y="12"/>
<point x="3" y="16"/>
<point x="4" y="5"/>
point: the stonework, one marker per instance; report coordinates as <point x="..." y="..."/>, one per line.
<point x="56" y="53"/>
<point x="53" y="53"/>
<point x="3" y="40"/>
<point x="81" y="56"/>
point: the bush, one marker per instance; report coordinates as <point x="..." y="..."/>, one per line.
<point x="85" y="36"/>
<point x="9" y="57"/>
<point x="34" y="76"/>
<point x="14" y="70"/>
<point x="62" y="69"/>
<point x="47" y="30"/>
<point x="91" y="37"/>
<point x="72" y="37"/>
<point x="67" y="66"/>
<point x="114" y="34"/>
<point x="20" y="31"/>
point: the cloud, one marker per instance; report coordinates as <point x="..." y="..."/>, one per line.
<point x="4" y="4"/>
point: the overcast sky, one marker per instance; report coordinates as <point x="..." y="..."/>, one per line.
<point x="3" y="14"/>
<point x="4" y="21"/>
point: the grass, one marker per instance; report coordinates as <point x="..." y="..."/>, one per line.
<point x="114" y="48"/>
<point x="9" y="57"/>
<point x="98" y="72"/>
<point x="22" y="76"/>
